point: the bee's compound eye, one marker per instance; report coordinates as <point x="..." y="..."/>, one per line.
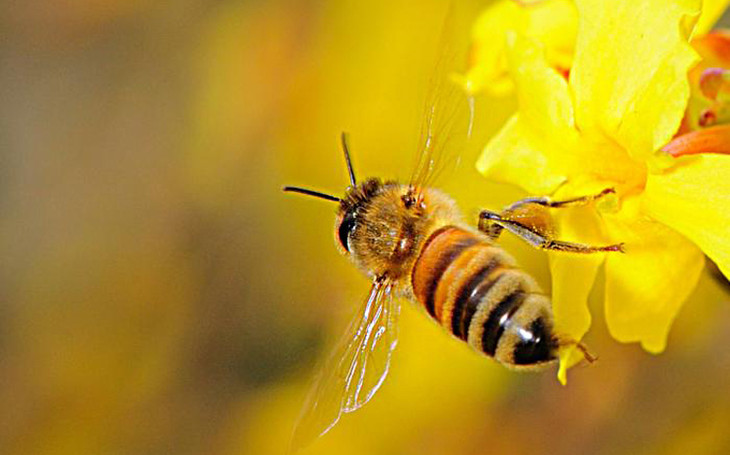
<point x="408" y="200"/>
<point x="346" y="226"/>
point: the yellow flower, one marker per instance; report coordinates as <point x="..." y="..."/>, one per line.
<point x="554" y="23"/>
<point x="611" y="124"/>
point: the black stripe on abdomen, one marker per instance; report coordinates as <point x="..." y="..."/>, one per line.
<point x="499" y="316"/>
<point x="468" y="298"/>
<point x="440" y="267"/>
<point x="535" y="345"/>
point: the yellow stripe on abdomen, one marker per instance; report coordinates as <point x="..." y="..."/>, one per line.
<point x="473" y="289"/>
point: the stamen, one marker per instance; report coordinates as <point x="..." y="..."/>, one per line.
<point x="713" y="81"/>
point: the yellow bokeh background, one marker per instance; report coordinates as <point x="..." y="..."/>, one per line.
<point x="160" y="294"/>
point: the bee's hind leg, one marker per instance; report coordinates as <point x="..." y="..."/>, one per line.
<point x="538" y="239"/>
<point x="562" y="342"/>
<point x="488" y="226"/>
<point x="529" y="219"/>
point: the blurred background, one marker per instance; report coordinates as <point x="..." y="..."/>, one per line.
<point x="160" y="294"/>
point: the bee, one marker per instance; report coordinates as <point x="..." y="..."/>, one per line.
<point x="413" y="243"/>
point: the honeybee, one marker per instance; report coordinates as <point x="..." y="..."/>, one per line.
<point x="412" y="242"/>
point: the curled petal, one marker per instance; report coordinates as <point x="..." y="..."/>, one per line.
<point x="533" y="149"/>
<point x="629" y="74"/>
<point x="572" y="278"/>
<point x="711" y="12"/>
<point x="646" y="286"/>
<point x="542" y="92"/>
<point x="693" y="197"/>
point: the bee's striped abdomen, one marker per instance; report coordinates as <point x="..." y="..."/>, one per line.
<point x="474" y="290"/>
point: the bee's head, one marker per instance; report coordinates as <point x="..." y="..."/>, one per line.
<point x="379" y="225"/>
<point x="357" y="199"/>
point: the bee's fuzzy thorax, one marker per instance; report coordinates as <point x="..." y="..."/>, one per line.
<point x="361" y="194"/>
<point x="381" y="228"/>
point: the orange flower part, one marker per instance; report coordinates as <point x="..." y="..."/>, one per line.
<point x="713" y="81"/>
<point x="709" y="102"/>
<point x="709" y="140"/>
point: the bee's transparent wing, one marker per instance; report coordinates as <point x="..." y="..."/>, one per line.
<point x="355" y="369"/>
<point x="447" y="115"/>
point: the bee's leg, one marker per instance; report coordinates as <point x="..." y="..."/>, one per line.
<point x="548" y="202"/>
<point x="562" y="342"/>
<point x="488" y="226"/>
<point x="541" y="238"/>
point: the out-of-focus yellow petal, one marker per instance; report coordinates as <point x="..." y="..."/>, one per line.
<point x="554" y="23"/>
<point x="646" y="286"/>
<point x="542" y="92"/>
<point x="533" y="146"/>
<point x="514" y="156"/>
<point x="629" y="73"/>
<point x="551" y="22"/>
<point x="694" y="198"/>
<point x="572" y="278"/>
<point x="488" y="59"/>
<point x="711" y="12"/>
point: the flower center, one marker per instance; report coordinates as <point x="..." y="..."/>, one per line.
<point x="714" y="84"/>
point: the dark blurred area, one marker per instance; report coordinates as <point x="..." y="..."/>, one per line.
<point x="159" y="294"/>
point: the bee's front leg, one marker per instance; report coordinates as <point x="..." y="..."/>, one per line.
<point x="546" y="201"/>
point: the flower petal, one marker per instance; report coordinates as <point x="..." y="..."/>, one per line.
<point x="572" y="279"/>
<point x="711" y="12"/>
<point x="514" y="156"/>
<point x="551" y="22"/>
<point x="694" y="198"/>
<point x="629" y="74"/>
<point x="646" y="286"/>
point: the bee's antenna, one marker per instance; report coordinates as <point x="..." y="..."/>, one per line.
<point x="346" y="149"/>
<point x="295" y="189"/>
